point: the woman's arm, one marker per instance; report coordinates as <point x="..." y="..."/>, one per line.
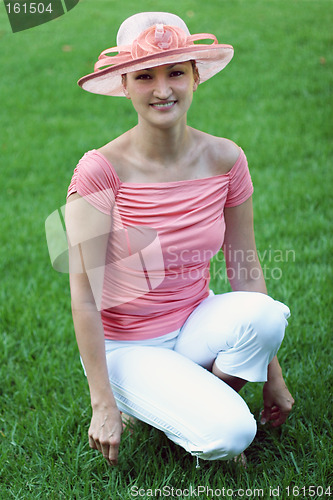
<point x="88" y="232"/>
<point x="245" y="273"/>
<point x="243" y="267"/>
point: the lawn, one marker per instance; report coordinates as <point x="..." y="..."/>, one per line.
<point x="274" y="100"/>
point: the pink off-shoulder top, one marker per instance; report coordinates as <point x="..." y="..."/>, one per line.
<point x="163" y="235"/>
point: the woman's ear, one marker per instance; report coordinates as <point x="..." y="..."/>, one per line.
<point x="124" y="83"/>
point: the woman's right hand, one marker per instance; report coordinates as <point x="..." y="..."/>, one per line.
<point x="105" y="433"/>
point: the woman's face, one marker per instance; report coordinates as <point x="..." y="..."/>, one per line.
<point x="162" y="95"/>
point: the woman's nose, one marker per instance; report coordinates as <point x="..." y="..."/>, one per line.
<point x="162" y="88"/>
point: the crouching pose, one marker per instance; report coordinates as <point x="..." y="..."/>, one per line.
<point x="145" y="215"/>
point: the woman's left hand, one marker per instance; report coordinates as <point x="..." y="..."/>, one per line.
<point x="278" y="402"/>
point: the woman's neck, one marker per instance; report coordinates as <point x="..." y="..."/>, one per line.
<point x="162" y="146"/>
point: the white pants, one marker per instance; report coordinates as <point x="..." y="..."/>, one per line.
<point x="166" y="381"/>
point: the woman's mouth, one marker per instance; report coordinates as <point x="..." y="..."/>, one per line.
<point x="163" y="105"/>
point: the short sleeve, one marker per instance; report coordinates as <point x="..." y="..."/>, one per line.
<point x="96" y="181"/>
<point x="240" y="183"/>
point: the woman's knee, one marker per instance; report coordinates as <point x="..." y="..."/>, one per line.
<point x="230" y="440"/>
<point x="268" y="319"/>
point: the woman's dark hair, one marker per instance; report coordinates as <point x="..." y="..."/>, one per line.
<point x="195" y="70"/>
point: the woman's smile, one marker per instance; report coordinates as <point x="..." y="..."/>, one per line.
<point x="163" y="105"/>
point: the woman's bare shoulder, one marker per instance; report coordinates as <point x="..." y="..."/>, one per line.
<point x="115" y="152"/>
<point x="221" y="153"/>
<point x="114" y="148"/>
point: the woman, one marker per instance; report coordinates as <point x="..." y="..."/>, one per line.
<point x="145" y="214"/>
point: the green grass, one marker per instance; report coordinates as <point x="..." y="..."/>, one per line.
<point x="274" y="101"/>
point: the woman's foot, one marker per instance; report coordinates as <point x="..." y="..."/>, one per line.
<point x="128" y="421"/>
<point x="241" y="460"/>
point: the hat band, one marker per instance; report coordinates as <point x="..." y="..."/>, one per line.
<point x="154" y="40"/>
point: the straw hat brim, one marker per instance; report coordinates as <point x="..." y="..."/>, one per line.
<point x="210" y="59"/>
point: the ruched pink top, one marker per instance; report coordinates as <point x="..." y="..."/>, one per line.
<point x="162" y="239"/>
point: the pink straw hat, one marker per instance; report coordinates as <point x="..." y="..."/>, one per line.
<point x="150" y="39"/>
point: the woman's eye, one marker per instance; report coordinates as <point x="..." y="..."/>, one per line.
<point x="144" y="76"/>
<point x="177" y="73"/>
